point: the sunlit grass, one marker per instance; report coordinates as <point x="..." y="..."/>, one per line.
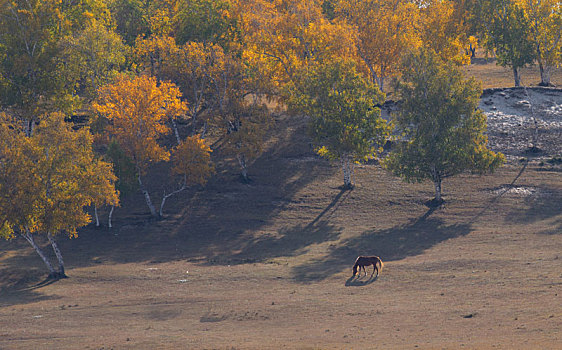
<point x="495" y="76"/>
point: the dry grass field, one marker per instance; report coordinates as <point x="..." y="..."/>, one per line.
<point x="494" y="76"/>
<point x="267" y="265"/>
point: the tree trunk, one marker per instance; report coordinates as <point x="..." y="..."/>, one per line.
<point x="109" y="216"/>
<point x="437" y="184"/>
<point x="147" y="197"/>
<point x="96" y="215"/>
<point x="29" y="237"/>
<point x="546" y="73"/>
<point x="347" y="168"/>
<point x="437" y="178"/>
<point x="472" y="51"/>
<point x="516" y="77"/>
<point x="176" y="131"/>
<point x="61" y="273"/>
<point x="242" y="161"/>
<point x="166" y="196"/>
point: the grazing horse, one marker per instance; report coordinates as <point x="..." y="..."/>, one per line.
<point x="363" y="261"/>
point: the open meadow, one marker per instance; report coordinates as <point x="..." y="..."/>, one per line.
<point x="267" y="265"/>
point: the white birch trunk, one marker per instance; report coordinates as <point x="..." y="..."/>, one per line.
<point x="61" y="273"/>
<point x="29" y="238"/>
<point x="437" y="184"/>
<point x="147" y="197"/>
<point x="176" y="131"/>
<point x="166" y="196"/>
<point x="242" y="161"/>
<point x="110" y="216"/>
<point x="347" y="171"/>
<point x="96" y="215"/>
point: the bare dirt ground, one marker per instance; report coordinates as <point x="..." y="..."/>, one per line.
<point x="267" y="265"/>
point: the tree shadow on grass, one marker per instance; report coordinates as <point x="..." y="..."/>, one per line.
<point x="395" y="243"/>
<point x="546" y="203"/>
<point x="287" y="242"/>
<point x="21" y="286"/>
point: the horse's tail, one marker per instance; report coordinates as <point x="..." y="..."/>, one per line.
<point x="381" y="263"/>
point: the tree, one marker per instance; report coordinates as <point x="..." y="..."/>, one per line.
<point x="138" y="110"/>
<point x="47" y="180"/>
<point x="508" y="34"/>
<point x="89" y="59"/>
<point x="345" y="122"/>
<point x="284" y="36"/>
<point x="206" y="75"/>
<point x="442" y="127"/>
<point x="29" y="33"/>
<point x="443" y="30"/>
<point x="192" y="163"/>
<point x="244" y="128"/>
<point x="545" y="19"/>
<point x="206" y="21"/>
<point x="143" y="18"/>
<point x="386" y="30"/>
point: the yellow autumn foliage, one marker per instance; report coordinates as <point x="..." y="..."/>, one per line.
<point x="137" y="110"/>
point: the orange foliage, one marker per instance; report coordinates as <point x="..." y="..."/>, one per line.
<point x="137" y="110"/>
<point x="192" y="159"/>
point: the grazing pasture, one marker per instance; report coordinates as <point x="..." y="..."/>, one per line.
<point x="267" y="264"/>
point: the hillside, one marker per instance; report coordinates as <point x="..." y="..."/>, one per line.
<point x="267" y="265"/>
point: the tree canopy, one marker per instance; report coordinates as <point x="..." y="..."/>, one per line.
<point x="442" y="127"/>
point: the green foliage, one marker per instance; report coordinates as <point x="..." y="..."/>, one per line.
<point x="89" y="59"/>
<point x="123" y="168"/>
<point x="508" y="33"/>
<point x="206" y="21"/>
<point x="341" y="103"/>
<point x="244" y="128"/>
<point x="130" y="19"/>
<point x="443" y="131"/>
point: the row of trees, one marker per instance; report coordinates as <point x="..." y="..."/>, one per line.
<point x="142" y="69"/>
<point x="520" y="32"/>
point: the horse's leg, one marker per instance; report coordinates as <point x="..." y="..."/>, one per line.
<point x="364" y="271"/>
<point x="375" y="268"/>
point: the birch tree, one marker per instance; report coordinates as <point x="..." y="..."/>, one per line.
<point x="545" y="18"/>
<point x="345" y="122"/>
<point x="47" y="181"/>
<point x="192" y="164"/>
<point x="386" y="30"/>
<point x="138" y="110"/>
<point x="444" y="132"/>
<point x="244" y="129"/>
<point x="508" y="34"/>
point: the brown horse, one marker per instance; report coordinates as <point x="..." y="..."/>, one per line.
<point x="363" y="261"/>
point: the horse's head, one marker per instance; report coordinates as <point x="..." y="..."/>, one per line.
<point x="354" y="269"/>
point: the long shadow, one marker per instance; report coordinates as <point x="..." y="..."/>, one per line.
<point x="546" y="203"/>
<point x="390" y="244"/>
<point x="356" y="281"/>
<point x="206" y="223"/>
<point x="21" y="286"/>
<point x="501" y="194"/>
<point x="288" y="242"/>
<point x="335" y="201"/>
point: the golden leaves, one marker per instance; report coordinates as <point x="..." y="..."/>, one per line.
<point x="47" y="179"/>
<point x="192" y="159"/>
<point x="137" y="110"/>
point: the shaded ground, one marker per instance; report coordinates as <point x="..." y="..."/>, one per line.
<point x="267" y="265"/>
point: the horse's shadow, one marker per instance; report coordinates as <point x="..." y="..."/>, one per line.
<point x="355" y="281"/>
